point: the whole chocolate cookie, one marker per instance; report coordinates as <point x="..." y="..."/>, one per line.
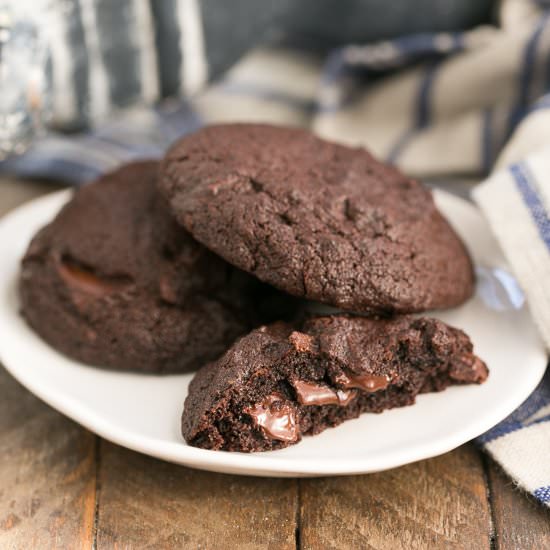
<point x="316" y="219"/>
<point x="279" y="383"/>
<point x="115" y="282"/>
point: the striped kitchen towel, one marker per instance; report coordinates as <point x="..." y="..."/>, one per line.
<point x="473" y="104"/>
<point x="521" y="443"/>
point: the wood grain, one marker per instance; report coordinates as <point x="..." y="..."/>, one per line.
<point x="47" y="474"/>
<point x="437" y="503"/>
<point x="520" y="522"/>
<point x="146" y="503"/>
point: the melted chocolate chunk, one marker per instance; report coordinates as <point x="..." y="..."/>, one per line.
<point x="346" y="397"/>
<point x="367" y="382"/>
<point x="309" y="393"/>
<point x="83" y="280"/>
<point x="276" y="417"/>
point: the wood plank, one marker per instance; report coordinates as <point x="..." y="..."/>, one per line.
<point x="146" y="503"/>
<point x="437" y="503"/>
<point x="520" y="522"/>
<point x="47" y="474"/>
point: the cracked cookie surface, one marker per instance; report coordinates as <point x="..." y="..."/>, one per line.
<point x="316" y="219"/>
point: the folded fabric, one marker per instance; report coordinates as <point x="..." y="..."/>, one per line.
<point x="68" y="65"/>
<point x="78" y="158"/>
<point x="470" y="103"/>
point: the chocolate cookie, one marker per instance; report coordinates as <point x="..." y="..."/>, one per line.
<point x="115" y="282"/>
<point x="316" y="219"/>
<point x="277" y="384"/>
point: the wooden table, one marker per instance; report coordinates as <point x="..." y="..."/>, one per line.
<point x="63" y="487"/>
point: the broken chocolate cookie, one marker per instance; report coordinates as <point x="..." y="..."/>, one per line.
<point x="279" y="383"/>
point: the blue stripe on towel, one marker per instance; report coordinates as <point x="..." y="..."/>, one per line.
<point x="422" y="115"/>
<point x="423" y="44"/>
<point x="505" y="428"/>
<point x="487" y="140"/>
<point x="400" y="145"/>
<point x="519" y="419"/>
<point x="541" y="103"/>
<point x="526" y="75"/>
<point x="528" y="190"/>
<point x="542" y="493"/>
<point x="424" y="108"/>
<point x="415" y="43"/>
<point x="261" y="91"/>
<point x="542" y="420"/>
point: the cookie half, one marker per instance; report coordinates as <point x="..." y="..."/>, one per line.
<point x="318" y="220"/>
<point x="277" y="384"/>
<point x="114" y="281"/>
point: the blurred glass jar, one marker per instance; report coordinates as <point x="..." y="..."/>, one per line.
<point x="24" y="68"/>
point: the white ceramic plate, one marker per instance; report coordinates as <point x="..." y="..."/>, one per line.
<point x="143" y="412"/>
